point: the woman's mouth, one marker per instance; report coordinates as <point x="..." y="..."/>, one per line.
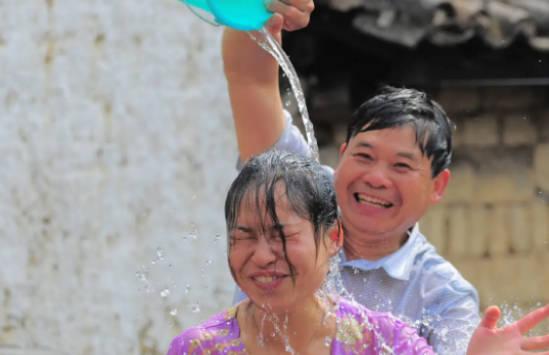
<point x="268" y="281"/>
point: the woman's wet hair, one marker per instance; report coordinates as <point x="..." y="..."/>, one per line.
<point x="395" y="107"/>
<point x="307" y="186"/>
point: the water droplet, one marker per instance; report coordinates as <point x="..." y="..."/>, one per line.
<point x="193" y="235"/>
<point x="187" y="288"/>
<point x="159" y="257"/>
<point x="195" y="308"/>
<point x="159" y="254"/>
<point x="141" y="275"/>
<point x="289" y="349"/>
<point x="173" y="312"/>
<point x="443" y="332"/>
<point x="217" y="238"/>
<point x="165" y="293"/>
<point x="209" y="262"/>
<point x="327" y="342"/>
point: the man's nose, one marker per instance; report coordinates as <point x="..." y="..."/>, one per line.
<point x="377" y="178"/>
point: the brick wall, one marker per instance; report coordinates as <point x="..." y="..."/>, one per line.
<point x="496" y="212"/>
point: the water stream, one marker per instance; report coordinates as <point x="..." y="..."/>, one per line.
<point x="264" y="39"/>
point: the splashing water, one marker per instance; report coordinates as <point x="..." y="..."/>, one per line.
<point x="266" y="41"/>
<point x="195" y="307"/>
<point x="193" y="233"/>
<point x="159" y="256"/>
<point x="157" y="277"/>
<point x="165" y="293"/>
<point x="280" y="330"/>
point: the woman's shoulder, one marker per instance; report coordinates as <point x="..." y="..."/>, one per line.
<point x="363" y="329"/>
<point x="212" y="334"/>
<point x="368" y="318"/>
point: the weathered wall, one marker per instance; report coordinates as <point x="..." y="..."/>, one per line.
<point x="493" y="222"/>
<point x="117" y="149"/>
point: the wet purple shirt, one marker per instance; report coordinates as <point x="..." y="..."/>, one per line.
<point x="359" y="331"/>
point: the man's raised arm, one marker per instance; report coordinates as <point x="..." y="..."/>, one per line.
<point x="252" y="79"/>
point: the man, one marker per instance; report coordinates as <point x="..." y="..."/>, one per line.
<point x="393" y="166"/>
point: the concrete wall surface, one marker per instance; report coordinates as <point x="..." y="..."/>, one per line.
<point x="117" y="150"/>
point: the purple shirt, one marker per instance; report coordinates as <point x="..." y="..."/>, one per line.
<point x="359" y="331"/>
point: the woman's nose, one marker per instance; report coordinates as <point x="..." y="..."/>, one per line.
<point x="264" y="252"/>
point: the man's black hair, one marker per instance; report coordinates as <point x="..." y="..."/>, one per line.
<point x="395" y="107"/>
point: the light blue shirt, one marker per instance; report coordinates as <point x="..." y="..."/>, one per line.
<point x="418" y="285"/>
<point x="414" y="283"/>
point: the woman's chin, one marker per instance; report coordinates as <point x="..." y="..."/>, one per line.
<point x="271" y="304"/>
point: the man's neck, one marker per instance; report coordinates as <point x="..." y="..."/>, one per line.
<point x="358" y="247"/>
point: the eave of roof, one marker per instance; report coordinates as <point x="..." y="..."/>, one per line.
<point x="499" y="23"/>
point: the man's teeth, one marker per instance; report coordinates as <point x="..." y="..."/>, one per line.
<point x="374" y="201"/>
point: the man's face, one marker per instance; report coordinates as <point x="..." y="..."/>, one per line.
<point x="384" y="183"/>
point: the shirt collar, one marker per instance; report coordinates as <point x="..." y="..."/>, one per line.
<point x="398" y="265"/>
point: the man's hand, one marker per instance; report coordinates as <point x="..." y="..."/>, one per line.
<point x="510" y="340"/>
<point x="290" y="15"/>
<point x="252" y="78"/>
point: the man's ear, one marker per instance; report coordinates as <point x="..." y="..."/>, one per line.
<point x="342" y="149"/>
<point x="440" y="182"/>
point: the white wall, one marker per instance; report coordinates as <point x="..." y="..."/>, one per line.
<point x="115" y="140"/>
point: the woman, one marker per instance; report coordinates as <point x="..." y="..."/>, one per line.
<point x="282" y="227"/>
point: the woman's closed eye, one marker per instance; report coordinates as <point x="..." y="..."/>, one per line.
<point x="289" y="236"/>
<point x="243" y="236"/>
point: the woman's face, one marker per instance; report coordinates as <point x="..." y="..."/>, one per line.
<point x="256" y="255"/>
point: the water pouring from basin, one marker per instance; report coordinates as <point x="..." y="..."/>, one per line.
<point x="251" y="15"/>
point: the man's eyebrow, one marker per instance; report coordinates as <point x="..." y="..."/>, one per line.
<point x="408" y="155"/>
<point x="364" y="145"/>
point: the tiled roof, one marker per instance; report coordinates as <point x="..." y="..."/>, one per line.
<point x="448" y="22"/>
